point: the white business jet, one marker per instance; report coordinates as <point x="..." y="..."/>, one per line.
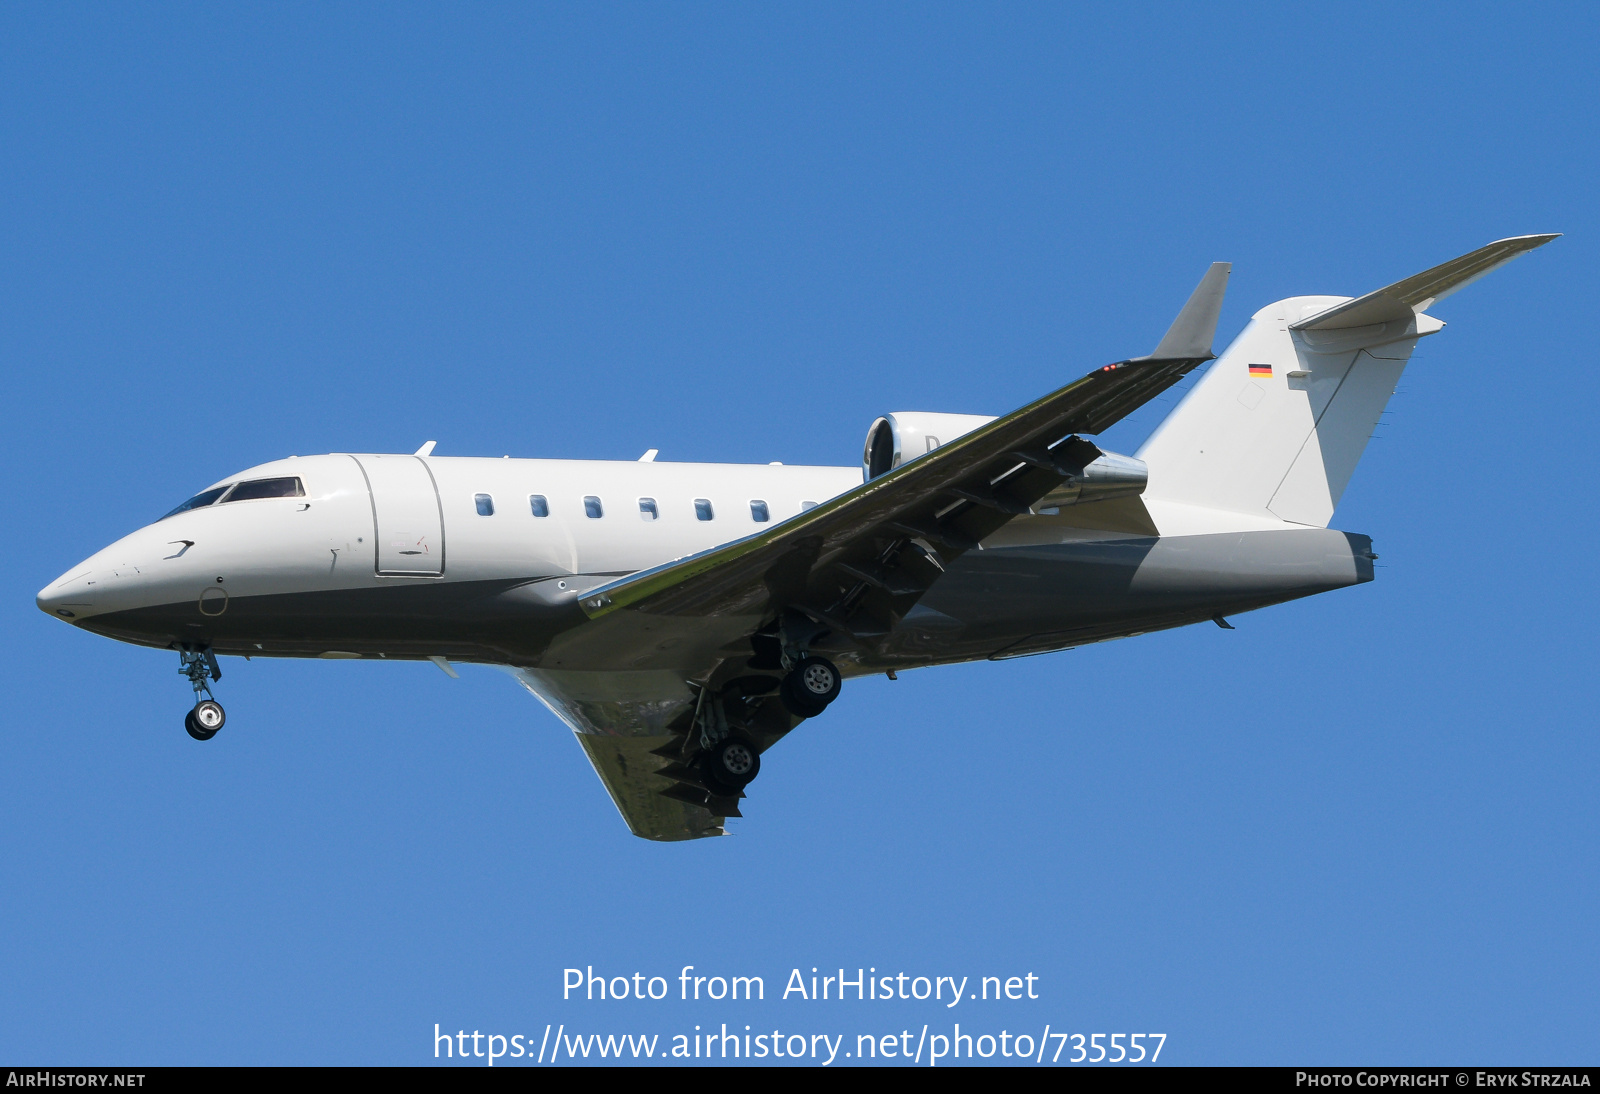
<point x="682" y="618"/>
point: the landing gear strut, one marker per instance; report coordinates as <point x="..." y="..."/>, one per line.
<point x="199" y="664"/>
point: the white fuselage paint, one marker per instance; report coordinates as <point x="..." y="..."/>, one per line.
<point x="330" y="539"/>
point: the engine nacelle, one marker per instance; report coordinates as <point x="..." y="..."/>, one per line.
<point x="896" y="438"/>
<point x="1092" y="474"/>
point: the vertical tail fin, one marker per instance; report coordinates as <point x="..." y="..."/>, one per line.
<point x="1275" y="428"/>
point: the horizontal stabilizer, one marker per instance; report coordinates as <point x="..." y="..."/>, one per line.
<point x="1191" y="333"/>
<point x="1418" y="293"/>
<point x="1274" y="429"/>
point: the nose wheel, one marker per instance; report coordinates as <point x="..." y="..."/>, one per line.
<point x="199" y="664"/>
<point x="205" y="719"/>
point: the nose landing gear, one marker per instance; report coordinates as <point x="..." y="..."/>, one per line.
<point x="199" y="664"/>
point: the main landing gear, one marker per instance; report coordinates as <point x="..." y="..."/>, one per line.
<point x="728" y="762"/>
<point x="809" y="682"/>
<point x="729" y="766"/>
<point x="809" y="686"/>
<point x="199" y="664"/>
<point x="719" y="752"/>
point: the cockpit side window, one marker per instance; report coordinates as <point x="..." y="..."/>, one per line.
<point x="256" y="489"/>
<point x="199" y="501"/>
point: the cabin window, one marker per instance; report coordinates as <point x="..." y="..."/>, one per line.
<point x="807" y="505"/>
<point x="759" y="512"/>
<point x="485" y="504"/>
<point x="257" y="489"/>
<point x="647" y="509"/>
<point x="540" y="507"/>
<point x="592" y="507"/>
<point x="199" y="501"/>
<point x="702" y="509"/>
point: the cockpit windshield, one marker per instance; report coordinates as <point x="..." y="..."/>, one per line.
<point x="200" y="500"/>
<point x="253" y="490"/>
<point x="256" y="489"/>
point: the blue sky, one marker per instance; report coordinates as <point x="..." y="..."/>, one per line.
<point x="1360" y="828"/>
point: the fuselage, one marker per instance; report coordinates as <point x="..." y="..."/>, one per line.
<point x="473" y="559"/>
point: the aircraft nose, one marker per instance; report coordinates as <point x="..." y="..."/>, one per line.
<point x="68" y="596"/>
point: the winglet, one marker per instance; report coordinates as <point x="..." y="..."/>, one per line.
<point x="1421" y="291"/>
<point x="425" y="450"/>
<point x="1189" y="337"/>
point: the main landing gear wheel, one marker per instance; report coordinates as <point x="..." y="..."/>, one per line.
<point x="205" y="719"/>
<point x="811" y="685"/>
<point x="730" y="765"/>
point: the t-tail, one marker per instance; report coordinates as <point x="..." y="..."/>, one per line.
<point x="1273" y="431"/>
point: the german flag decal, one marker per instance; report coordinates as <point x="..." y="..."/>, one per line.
<point x="1264" y="371"/>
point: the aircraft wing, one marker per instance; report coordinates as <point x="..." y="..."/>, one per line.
<point x="857" y="563"/>
<point x="853" y="565"/>
<point x="623" y="729"/>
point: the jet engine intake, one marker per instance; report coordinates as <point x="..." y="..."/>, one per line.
<point x="896" y="438"/>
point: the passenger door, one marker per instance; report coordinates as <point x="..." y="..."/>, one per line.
<point x="410" y="522"/>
